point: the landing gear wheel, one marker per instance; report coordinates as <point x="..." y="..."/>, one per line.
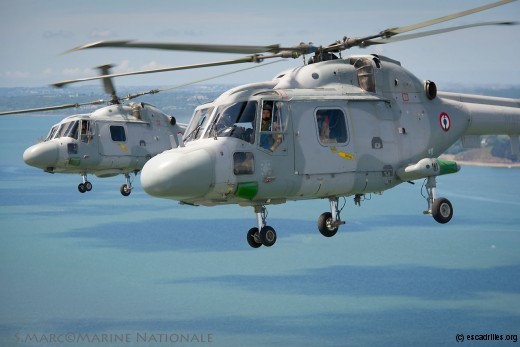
<point x="88" y="186"/>
<point x="442" y="211"/>
<point x="267" y="236"/>
<point x="82" y="188"/>
<point x="325" y="225"/>
<point x="125" y="191"/>
<point x="253" y="238"/>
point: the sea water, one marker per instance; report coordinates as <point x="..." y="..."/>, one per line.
<point x="102" y="269"/>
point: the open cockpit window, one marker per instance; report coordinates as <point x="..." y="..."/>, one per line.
<point x="235" y="120"/>
<point x="273" y="124"/>
<point x="86" y="132"/>
<point x="198" y="122"/>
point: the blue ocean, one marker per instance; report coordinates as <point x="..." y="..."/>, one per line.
<point x="99" y="269"/>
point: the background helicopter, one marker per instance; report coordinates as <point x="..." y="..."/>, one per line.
<point x="336" y="127"/>
<point x="113" y="140"/>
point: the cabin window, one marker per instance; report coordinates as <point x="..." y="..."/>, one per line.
<point x="243" y="163"/>
<point x="332" y="127"/>
<point x="117" y="133"/>
<point x="273" y="124"/>
<point x="235" y="120"/>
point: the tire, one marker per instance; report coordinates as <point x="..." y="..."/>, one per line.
<point x="124" y="190"/>
<point x="442" y="211"/>
<point x="267" y="236"/>
<point x="88" y="186"/>
<point x="82" y="188"/>
<point x="324" y="225"/>
<point x="251" y="238"/>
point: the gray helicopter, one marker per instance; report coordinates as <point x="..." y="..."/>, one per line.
<point x="112" y="140"/>
<point x="330" y="129"/>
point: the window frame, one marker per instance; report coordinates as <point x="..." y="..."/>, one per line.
<point x="243" y="163"/>
<point x="123" y="132"/>
<point x="336" y="111"/>
<point x="279" y="121"/>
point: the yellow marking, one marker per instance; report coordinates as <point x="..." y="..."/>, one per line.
<point x="342" y="154"/>
<point x="123" y="147"/>
<point x="346" y="155"/>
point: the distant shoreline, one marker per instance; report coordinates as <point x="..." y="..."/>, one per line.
<point x="480" y="163"/>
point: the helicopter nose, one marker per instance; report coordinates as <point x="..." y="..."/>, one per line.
<point x="178" y="175"/>
<point x="43" y="155"/>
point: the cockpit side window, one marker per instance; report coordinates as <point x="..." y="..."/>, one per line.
<point x="235" y="120"/>
<point x="69" y="129"/>
<point x="198" y="121"/>
<point x="72" y="130"/>
<point x="52" y="133"/>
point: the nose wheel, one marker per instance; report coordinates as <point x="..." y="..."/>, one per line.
<point x="85" y="186"/>
<point x="263" y="234"/>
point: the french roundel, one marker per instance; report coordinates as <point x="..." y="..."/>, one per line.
<point x="445" y="121"/>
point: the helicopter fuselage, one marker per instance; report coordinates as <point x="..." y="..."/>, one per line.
<point x="113" y="140"/>
<point x="380" y="119"/>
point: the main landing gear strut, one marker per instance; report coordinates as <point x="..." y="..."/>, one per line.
<point x="329" y="222"/>
<point x="126" y="188"/>
<point x="440" y="208"/>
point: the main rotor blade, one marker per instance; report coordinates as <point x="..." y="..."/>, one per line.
<point x="184" y="84"/>
<point x="248" y="59"/>
<point x="431" y="32"/>
<point x="51" y="108"/>
<point x="388" y="33"/>
<point x="399" y="30"/>
<point x="289" y="52"/>
<point x="239" y="49"/>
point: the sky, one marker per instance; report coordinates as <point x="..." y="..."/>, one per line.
<point x="34" y="35"/>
